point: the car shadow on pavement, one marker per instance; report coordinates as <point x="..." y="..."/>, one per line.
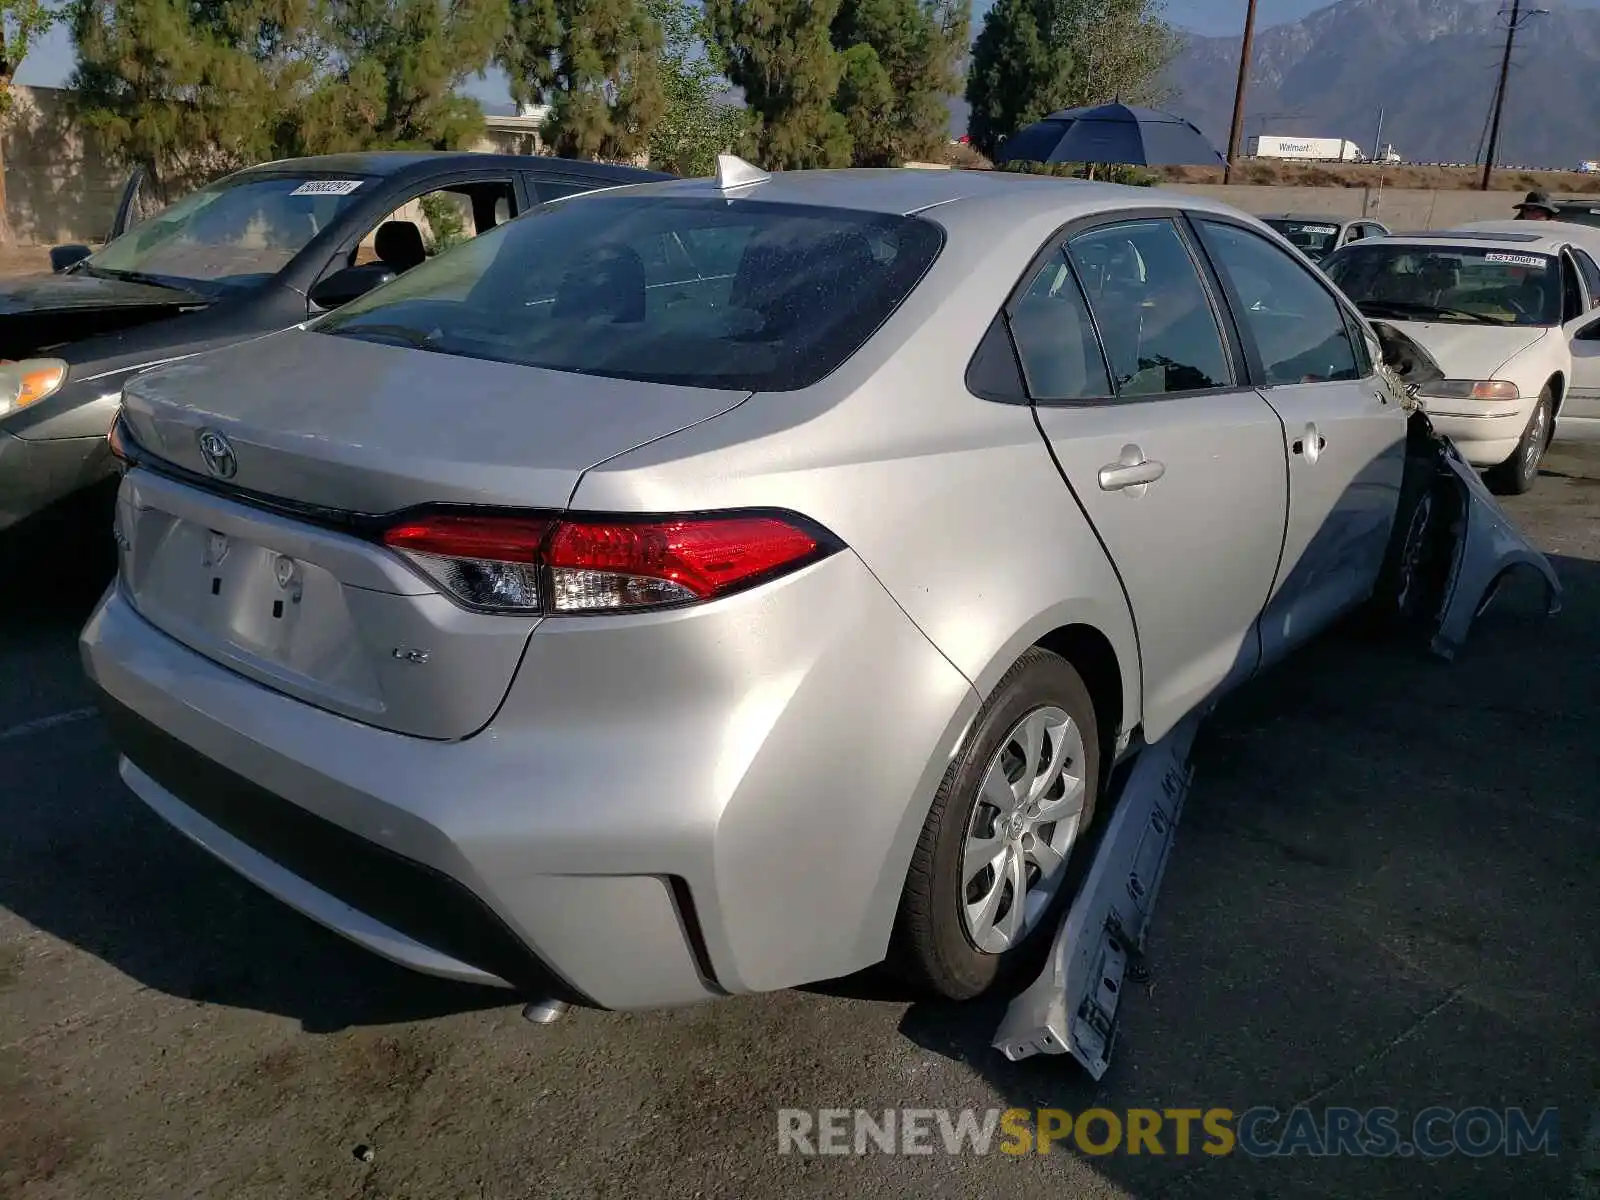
<point x="85" y="861"/>
<point x="1384" y="893"/>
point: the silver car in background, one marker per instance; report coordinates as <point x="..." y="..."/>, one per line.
<point x="723" y="585"/>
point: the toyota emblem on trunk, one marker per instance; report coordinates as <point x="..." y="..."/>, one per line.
<point x="218" y="454"/>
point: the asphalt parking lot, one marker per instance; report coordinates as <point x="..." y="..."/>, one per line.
<point x="1385" y="892"/>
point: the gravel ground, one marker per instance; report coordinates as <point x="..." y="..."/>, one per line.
<point x="1385" y="892"/>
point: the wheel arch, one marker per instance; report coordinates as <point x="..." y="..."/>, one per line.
<point x="1558" y="392"/>
<point x="1094" y="657"/>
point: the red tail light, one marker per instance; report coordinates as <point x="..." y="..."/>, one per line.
<point x="560" y="565"/>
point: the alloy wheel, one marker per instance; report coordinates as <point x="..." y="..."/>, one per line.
<point x="1022" y="830"/>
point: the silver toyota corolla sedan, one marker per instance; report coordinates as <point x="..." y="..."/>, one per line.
<point x="721" y="585"/>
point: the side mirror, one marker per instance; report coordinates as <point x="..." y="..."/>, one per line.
<point x="1589" y="333"/>
<point x="62" y="257"/>
<point x="345" y="285"/>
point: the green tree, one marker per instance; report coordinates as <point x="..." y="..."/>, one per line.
<point x="699" y="123"/>
<point x="899" y="70"/>
<point x="1017" y="74"/>
<point x="598" y="63"/>
<point x="21" y="23"/>
<point x="1125" y="47"/>
<point x="1033" y="57"/>
<point x="396" y="70"/>
<point x="527" y="52"/>
<point x="189" y="90"/>
<point x="780" y="53"/>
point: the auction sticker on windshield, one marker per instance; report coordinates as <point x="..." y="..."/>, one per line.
<point x="1324" y="229"/>
<point x="1517" y="260"/>
<point x="327" y="187"/>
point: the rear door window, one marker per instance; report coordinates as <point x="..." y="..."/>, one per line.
<point x="745" y="295"/>
<point x="1055" y="338"/>
<point x="1298" y="328"/>
<point x="1155" y="314"/>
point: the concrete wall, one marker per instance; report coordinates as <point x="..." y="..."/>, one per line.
<point x="1397" y="208"/>
<point x="59" y="185"/>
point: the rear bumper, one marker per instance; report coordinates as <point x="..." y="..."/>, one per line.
<point x="665" y="809"/>
<point x="34" y="474"/>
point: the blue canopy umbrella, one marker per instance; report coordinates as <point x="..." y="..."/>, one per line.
<point x="1112" y="133"/>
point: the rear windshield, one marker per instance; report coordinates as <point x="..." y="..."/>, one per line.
<point x="1315" y="239"/>
<point x="704" y="292"/>
<point x="1464" y="284"/>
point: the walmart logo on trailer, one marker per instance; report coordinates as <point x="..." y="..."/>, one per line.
<point x="1260" y="1132"/>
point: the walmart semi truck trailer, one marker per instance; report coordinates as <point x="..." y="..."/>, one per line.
<point x="1308" y="149"/>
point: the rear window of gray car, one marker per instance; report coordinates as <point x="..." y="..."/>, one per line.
<point x="717" y="293"/>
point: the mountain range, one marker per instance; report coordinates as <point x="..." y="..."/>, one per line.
<point x="1431" y="65"/>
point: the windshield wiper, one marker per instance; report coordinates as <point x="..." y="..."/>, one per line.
<point x="1404" y="309"/>
<point x="140" y="277"/>
<point x="405" y="335"/>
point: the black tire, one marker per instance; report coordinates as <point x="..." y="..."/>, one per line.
<point x="1520" y="472"/>
<point x="932" y="951"/>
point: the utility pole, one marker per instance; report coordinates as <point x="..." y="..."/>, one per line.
<point x="1518" y="17"/>
<point x="1245" y="51"/>
<point x="1379" y="158"/>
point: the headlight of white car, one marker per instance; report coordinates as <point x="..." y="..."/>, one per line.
<point x="28" y="382"/>
<point x="1472" y="389"/>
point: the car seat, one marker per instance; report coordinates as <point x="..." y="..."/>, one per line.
<point x="605" y="284"/>
<point x="1438" y="277"/>
<point x="398" y="244"/>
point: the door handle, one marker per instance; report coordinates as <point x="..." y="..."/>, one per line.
<point x="1311" y="446"/>
<point x="1131" y="473"/>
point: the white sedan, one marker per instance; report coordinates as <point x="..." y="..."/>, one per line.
<point x="1511" y="316"/>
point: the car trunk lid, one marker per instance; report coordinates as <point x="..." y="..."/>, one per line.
<point x="358" y="426"/>
<point x="263" y="564"/>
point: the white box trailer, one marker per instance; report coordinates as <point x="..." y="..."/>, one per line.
<point x="1306" y="149"/>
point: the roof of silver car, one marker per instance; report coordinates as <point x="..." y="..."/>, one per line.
<point x="903" y="191"/>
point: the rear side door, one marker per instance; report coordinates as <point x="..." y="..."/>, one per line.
<point x="1173" y="458"/>
<point x="1344" y="436"/>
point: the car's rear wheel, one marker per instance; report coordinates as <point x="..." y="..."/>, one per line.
<point x="1519" y="472"/>
<point x="996" y="859"/>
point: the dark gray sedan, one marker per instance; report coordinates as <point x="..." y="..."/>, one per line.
<point x="250" y="254"/>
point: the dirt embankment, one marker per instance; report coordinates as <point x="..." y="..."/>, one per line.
<point x="1350" y="175"/>
<point x="1358" y="175"/>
